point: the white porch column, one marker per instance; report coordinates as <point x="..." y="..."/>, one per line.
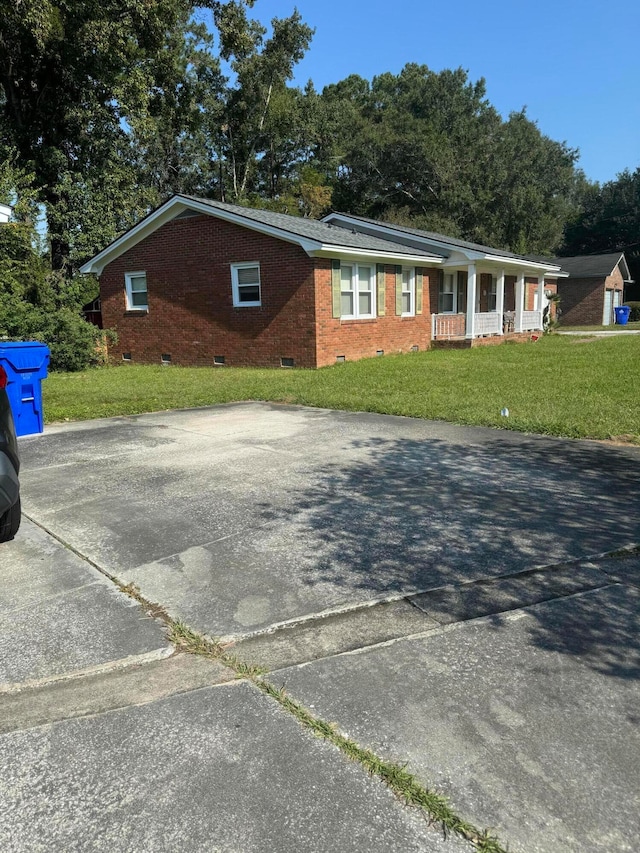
<point x="471" y="301"/>
<point x="519" y="301"/>
<point x="500" y="301"/>
<point x="541" y="299"/>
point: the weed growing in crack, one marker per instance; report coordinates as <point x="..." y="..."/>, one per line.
<point x="396" y="777"/>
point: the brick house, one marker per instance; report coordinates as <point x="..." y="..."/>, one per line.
<point x="199" y="282"/>
<point x="482" y="294"/>
<point x="593" y="288"/>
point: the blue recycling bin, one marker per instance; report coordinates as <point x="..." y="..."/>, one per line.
<point x="622" y="314"/>
<point x="26" y="364"/>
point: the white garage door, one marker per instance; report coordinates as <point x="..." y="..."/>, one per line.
<point x="608" y="307"/>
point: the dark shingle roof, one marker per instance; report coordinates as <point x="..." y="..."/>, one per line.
<point x="590" y="266"/>
<point x="313" y="229"/>
<point x="451" y="241"/>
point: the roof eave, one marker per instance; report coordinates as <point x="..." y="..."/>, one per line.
<point x="146" y="226"/>
<point x="472" y="255"/>
<point x="168" y="211"/>
<point x="498" y="260"/>
<point x="330" y="250"/>
<point x="628" y="279"/>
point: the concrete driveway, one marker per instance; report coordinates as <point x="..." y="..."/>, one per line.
<point x="434" y="590"/>
<point x="241" y="517"/>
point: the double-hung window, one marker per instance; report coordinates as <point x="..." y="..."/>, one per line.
<point x="492" y="296"/>
<point x="135" y="285"/>
<point x="447" y="295"/>
<point x="245" y="284"/>
<point x="357" y="291"/>
<point x="408" y="292"/>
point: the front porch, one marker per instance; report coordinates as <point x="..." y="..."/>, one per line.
<point x="477" y="306"/>
<point x="453" y="327"/>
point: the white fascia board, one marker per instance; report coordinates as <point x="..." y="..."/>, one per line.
<point x="168" y="211"/>
<point x="530" y="267"/>
<point x="462" y="257"/>
<point x="628" y="279"/>
<point x="471" y="255"/>
<point x="534" y="266"/>
<point x="245" y="222"/>
<point x="331" y="251"/>
<point x="394" y="233"/>
<point x="391" y="233"/>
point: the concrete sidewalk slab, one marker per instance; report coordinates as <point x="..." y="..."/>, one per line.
<point x="528" y="722"/>
<point x="623" y="569"/>
<point x="241" y="517"/>
<point x="137" y="684"/>
<point x="59" y="615"/>
<point x="600" y="334"/>
<point x="217" y="769"/>
<point x="482" y="598"/>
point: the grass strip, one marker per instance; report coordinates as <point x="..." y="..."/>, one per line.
<point x="560" y="385"/>
<point x="403" y="783"/>
<point x="434" y="806"/>
<point x="194" y="643"/>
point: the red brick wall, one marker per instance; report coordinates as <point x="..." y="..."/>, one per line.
<point x="191" y="314"/>
<point x="355" y="339"/>
<point x="531" y="288"/>
<point x="582" y="299"/>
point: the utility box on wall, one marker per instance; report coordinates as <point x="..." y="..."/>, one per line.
<point x="26" y="364"/>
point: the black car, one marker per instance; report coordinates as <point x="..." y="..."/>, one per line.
<point x="9" y="467"/>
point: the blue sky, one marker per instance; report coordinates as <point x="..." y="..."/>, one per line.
<point x="575" y="65"/>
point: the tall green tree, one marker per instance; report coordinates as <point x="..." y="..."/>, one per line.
<point x="257" y="139"/>
<point x="35" y="302"/>
<point x="609" y="218"/>
<point x="71" y="73"/>
<point x="105" y="101"/>
<point x="609" y="221"/>
<point x="169" y="133"/>
<point x="429" y="149"/>
<point x="530" y="187"/>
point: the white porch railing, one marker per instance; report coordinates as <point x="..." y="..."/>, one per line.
<point x="447" y="326"/>
<point x="531" y="320"/>
<point x="487" y="324"/>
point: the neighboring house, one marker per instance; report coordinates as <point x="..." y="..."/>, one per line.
<point x="201" y="282"/>
<point x="593" y="288"/>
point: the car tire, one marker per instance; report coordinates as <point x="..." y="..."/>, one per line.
<point x="10" y="522"/>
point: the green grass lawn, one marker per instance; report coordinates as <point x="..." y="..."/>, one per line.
<point x="557" y="386"/>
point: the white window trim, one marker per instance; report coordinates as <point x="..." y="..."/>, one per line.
<point x="453" y="292"/>
<point x="356" y="293"/>
<point x="412" y="290"/>
<point x="128" y="291"/>
<point x="235" y="286"/>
